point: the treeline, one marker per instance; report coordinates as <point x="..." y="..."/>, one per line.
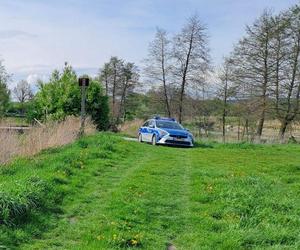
<point x="175" y="66"/>
<point x="258" y="80"/>
<point x="55" y="99"/>
<point x="263" y="71"/>
<point x="120" y="79"/>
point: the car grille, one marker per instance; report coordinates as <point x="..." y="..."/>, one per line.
<point x="179" y="136"/>
<point x="178" y="142"/>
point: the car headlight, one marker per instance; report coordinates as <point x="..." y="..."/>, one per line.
<point x="163" y="133"/>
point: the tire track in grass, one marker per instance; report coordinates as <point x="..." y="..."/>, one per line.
<point x="77" y="224"/>
<point x="186" y="207"/>
<point x="149" y="207"/>
<point x="231" y="198"/>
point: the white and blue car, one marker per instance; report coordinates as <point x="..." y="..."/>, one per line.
<point x="165" y="131"/>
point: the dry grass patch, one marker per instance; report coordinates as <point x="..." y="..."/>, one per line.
<point x="131" y="127"/>
<point x="9" y="146"/>
<point x="52" y="134"/>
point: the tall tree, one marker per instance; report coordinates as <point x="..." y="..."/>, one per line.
<point x="120" y="78"/>
<point x="191" y="56"/>
<point x="253" y="64"/>
<point x="130" y="78"/>
<point x="226" y="90"/>
<point x="116" y="67"/>
<point x="105" y="75"/>
<point x="23" y="93"/>
<point x="4" y="91"/>
<point x="158" y="63"/>
<point x="287" y="70"/>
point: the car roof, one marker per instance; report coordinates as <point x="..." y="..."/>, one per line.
<point x="158" y="118"/>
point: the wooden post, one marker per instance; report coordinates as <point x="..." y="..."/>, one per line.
<point x="83" y="82"/>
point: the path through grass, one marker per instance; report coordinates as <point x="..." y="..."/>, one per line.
<point x="130" y="195"/>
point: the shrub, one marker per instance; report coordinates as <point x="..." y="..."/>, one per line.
<point x="61" y="97"/>
<point x="15" y="206"/>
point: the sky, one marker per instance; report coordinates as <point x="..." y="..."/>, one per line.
<point x="38" y="36"/>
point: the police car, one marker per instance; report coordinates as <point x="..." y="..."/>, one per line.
<point x="165" y="131"/>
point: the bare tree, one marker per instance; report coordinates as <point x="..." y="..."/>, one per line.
<point x="111" y="74"/>
<point x="116" y="67"/>
<point x="287" y="70"/>
<point x="23" y="93"/>
<point x="253" y="64"/>
<point x="130" y="79"/>
<point x="191" y="56"/>
<point x="226" y="90"/>
<point x="105" y="75"/>
<point x="120" y="79"/>
<point x="158" y="63"/>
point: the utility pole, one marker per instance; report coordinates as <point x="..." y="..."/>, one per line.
<point x="83" y="83"/>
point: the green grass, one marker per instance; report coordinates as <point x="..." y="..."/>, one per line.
<point x="106" y="193"/>
<point x="14" y="121"/>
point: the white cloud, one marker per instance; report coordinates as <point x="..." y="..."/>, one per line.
<point x="32" y="79"/>
<point x="7" y="34"/>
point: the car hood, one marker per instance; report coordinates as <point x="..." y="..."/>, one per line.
<point x="176" y="131"/>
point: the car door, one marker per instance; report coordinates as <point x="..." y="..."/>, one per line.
<point x="151" y="130"/>
<point x="144" y="131"/>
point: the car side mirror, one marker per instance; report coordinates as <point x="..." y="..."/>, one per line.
<point x="187" y="129"/>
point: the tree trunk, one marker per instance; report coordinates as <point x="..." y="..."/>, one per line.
<point x="181" y="103"/>
<point x="239" y="125"/>
<point x="225" y="108"/>
<point x="260" y="124"/>
<point x="114" y="92"/>
<point x="122" y="102"/>
<point x="223" y="125"/>
<point x="282" y="130"/>
<point x="164" y="80"/>
<point x="247" y="129"/>
<point x="106" y="86"/>
<point x="185" y="71"/>
<point x="264" y="89"/>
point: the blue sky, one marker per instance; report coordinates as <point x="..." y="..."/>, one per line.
<point x="37" y="36"/>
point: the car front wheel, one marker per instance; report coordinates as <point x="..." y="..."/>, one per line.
<point x="140" y="138"/>
<point x="153" y="140"/>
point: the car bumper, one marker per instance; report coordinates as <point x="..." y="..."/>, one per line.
<point x="168" y="140"/>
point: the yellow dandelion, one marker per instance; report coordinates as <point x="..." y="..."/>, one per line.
<point x="100" y="237"/>
<point x="134" y="242"/>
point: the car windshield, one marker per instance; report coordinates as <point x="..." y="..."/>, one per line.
<point x="168" y="124"/>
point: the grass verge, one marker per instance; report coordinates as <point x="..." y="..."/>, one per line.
<point x="103" y="192"/>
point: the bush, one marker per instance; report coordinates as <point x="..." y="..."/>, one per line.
<point x="15" y="206"/>
<point x="61" y="97"/>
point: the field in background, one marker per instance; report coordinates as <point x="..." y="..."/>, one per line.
<point x="32" y="141"/>
<point x="237" y="132"/>
<point x="13" y="121"/>
<point x="234" y="131"/>
<point x="103" y="192"/>
<point x="130" y="128"/>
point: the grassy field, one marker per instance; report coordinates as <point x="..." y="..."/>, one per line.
<point x="235" y="133"/>
<point x="103" y="192"/>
